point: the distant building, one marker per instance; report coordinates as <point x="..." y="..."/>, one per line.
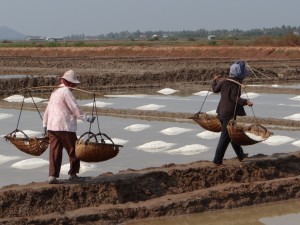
<point x="211" y="37"/>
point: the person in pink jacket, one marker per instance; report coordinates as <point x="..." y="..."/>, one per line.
<point x="60" y="121"/>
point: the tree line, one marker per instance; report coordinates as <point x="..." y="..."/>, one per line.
<point x="193" y="34"/>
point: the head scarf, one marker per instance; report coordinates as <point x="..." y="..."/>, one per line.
<point x="238" y="70"/>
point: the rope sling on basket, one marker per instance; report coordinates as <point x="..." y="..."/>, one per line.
<point x="246" y="134"/>
<point x="30" y="145"/>
<point x="88" y="151"/>
<point x="207" y="121"/>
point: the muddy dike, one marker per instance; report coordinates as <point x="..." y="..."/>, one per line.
<point x="165" y="191"/>
<point x="119" y="69"/>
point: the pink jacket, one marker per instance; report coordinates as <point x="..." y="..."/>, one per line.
<point x="62" y="111"/>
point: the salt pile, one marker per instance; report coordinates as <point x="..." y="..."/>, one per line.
<point x="19" y="98"/>
<point x="249" y="95"/>
<point x="84" y="167"/>
<point x="275" y="85"/>
<point x="296" y="143"/>
<point x="254" y="137"/>
<point x="29" y="133"/>
<point x="14" y="98"/>
<point x="293" y="117"/>
<point x="34" y="99"/>
<point x="297" y="98"/>
<point x="212" y="112"/>
<point x="5" y="116"/>
<point x="189" y="150"/>
<point x="203" y="93"/>
<point x="98" y="104"/>
<point x="155" y="146"/>
<point x="118" y="141"/>
<point x="278" y="140"/>
<point x="126" y="96"/>
<point x="137" y="127"/>
<point x="32" y="163"/>
<point x="150" y="107"/>
<point x="175" y="130"/>
<point x="209" y="135"/>
<point x="4" y="159"/>
<point x="167" y="91"/>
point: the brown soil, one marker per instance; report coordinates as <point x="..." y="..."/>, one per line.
<point x="151" y="192"/>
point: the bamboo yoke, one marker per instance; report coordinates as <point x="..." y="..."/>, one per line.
<point x="46" y="87"/>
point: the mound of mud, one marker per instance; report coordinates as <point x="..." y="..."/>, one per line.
<point x="167" y="190"/>
<point x="112" y="68"/>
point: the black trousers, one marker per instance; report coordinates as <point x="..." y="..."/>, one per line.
<point x="224" y="142"/>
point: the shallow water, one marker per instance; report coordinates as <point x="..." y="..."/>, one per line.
<point x="149" y="143"/>
<point x="278" y="213"/>
<point x="171" y="142"/>
<point x="264" y="104"/>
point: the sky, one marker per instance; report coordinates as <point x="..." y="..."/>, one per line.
<point x="59" y="18"/>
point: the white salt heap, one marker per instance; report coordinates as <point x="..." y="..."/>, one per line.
<point x="14" y="98"/>
<point x="4" y="159"/>
<point x="150" y="107"/>
<point x="155" y="146"/>
<point x="29" y="133"/>
<point x="32" y="163"/>
<point x="209" y="134"/>
<point x="293" y="117"/>
<point x="19" y="98"/>
<point x="203" y="93"/>
<point x="189" y="150"/>
<point x="175" y="130"/>
<point x="167" y="91"/>
<point x="84" y="167"/>
<point x="98" y="104"/>
<point x="5" y="116"/>
<point x="297" y="98"/>
<point x="278" y="140"/>
<point x="254" y="137"/>
<point x="296" y="143"/>
<point x="34" y="99"/>
<point x="249" y="95"/>
<point x="126" y="96"/>
<point x="212" y="112"/>
<point x="137" y="127"/>
<point x="118" y="141"/>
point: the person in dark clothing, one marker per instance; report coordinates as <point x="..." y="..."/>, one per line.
<point x="230" y="105"/>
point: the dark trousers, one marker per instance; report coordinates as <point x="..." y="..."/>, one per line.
<point x="224" y="142"/>
<point x="59" y="140"/>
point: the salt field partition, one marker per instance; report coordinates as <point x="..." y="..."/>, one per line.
<point x="170" y="142"/>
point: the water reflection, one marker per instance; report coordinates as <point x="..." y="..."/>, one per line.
<point x="279" y="213"/>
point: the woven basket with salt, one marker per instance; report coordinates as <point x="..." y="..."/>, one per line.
<point x="89" y="151"/>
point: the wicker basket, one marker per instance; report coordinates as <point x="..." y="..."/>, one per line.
<point x="30" y="145"/>
<point x="238" y="134"/>
<point x="88" y="151"/>
<point x="208" y="121"/>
